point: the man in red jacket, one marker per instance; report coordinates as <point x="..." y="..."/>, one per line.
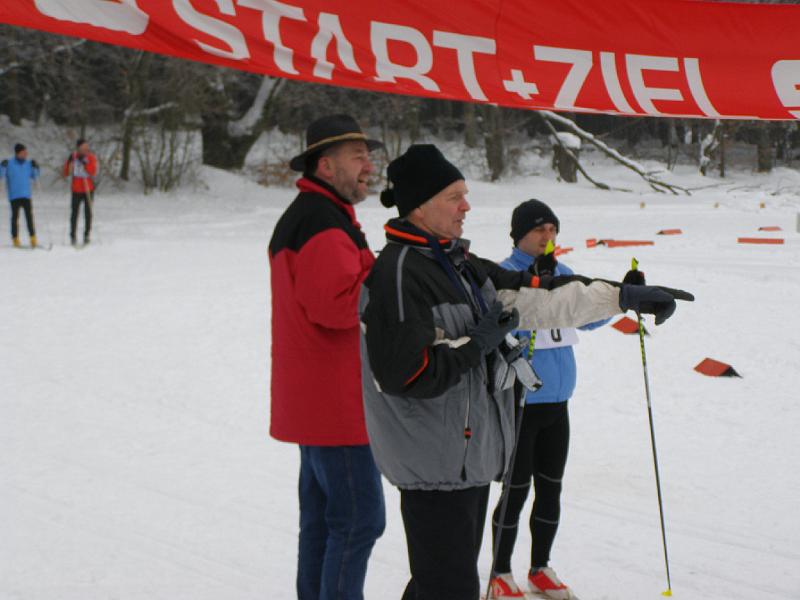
<point x="319" y="258"/>
<point x="81" y="166"/>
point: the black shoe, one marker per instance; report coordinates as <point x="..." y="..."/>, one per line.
<point x="72" y="240"/>
<point x="86" y="240"/>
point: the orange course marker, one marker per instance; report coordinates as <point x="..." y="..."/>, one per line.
<point x="627" y="326"/>
<point x="623" y="243"/>
<point x="747" y="240"/>
<point x="770" y="228"/>
<point x="670" y="232"/>
<point x="715" y="368"/>
<point x="559" y="250"/>
<point x="591" y="242"/>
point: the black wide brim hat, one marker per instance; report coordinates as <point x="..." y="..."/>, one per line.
<point x="329" y="131"/>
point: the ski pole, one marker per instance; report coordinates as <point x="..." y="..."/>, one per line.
<point x="521" y="391"/>
<point x="548" y="249"/>
<point x="89" y="203"/>
<point x="521" y="387"/>
<point x="668" y="591"/>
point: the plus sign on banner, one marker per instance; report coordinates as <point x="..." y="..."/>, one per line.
<point x="626" y="57"/>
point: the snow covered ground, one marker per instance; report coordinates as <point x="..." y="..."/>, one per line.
<point x="135" y="462"/>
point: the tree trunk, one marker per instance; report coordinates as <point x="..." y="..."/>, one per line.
<point x="493" y="139"/>
<point x="127" y="146"/>
<point x="764" y="147"/>
<point x="470" y="126"/>
<point x="413" y="121"/>
<point x="567" y="166"/>
<point x="220" y="149"/>
<point x="673" y="144"/>
<point x="14" y="112"/>
<point x="226" y="141"/>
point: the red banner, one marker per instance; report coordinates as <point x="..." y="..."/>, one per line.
<point x="627" y="57"/>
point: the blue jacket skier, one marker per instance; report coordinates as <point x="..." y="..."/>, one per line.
<point x="544" y="438"/>
<point x="18" y="173"/>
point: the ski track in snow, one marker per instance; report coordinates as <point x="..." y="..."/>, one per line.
<point x="135" y="461"/>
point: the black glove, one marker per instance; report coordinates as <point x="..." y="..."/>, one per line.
<point x="545" y="264"/>
<point x="634" y="277"/>
<point x="82" y="159"/>
<point x="491" y="330"/>
<point x="34" y="164"/>
<point x="652" y="300"/>
<point x="4" y="163"/>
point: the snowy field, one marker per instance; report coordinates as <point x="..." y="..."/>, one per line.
<point x="135" y="461"/>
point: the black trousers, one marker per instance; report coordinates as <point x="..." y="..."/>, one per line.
<point x="25" y="205"/>
<point x="541" y="455"/>
<point x="77" y="198"/>
<point x="444" y="531"/>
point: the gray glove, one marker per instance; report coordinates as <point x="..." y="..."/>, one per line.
<point x="491" y="330"/>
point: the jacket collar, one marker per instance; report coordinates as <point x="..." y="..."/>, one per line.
<point x="313" y="185"/>
<point x="400" y="231"/>
<point x="521" y="260"/>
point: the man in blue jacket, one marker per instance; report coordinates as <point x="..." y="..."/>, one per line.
<point x="544" y="438"/>
<point x="18" y="173"/>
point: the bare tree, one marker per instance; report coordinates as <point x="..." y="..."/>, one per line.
<point x="235" y="114"/>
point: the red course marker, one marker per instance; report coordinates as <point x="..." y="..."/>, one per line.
<point x="627" y="326"/>
<point x="770" y="228"/>
<point x="670" y="232"/>
<point x="715" y="368"/>
<point x="621" y="243"/>
<point x="747" y="240"/>
<point x="591" y="242"/>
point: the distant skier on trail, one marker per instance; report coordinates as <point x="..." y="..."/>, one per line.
<point x="81" y="166"/>
<point x="18" y="173"/>
<point x="544" y="439"/>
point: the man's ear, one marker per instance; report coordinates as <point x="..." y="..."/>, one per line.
<point x="324" y="167"/>
<point x="415" y="215"/>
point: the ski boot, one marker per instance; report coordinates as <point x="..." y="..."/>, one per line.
<point x="503" y="587"/>
<point x="34" y="243"/>
<point x="16" y="243"/>
<point x="545" y="584"/>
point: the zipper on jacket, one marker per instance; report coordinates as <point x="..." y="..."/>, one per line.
<point x="467" y="437"/>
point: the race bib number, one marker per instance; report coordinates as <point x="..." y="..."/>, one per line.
<point x="556" y="338"/>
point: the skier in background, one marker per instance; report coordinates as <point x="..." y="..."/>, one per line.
<point x="82" y="167"/>
<point x="18" y="173"/>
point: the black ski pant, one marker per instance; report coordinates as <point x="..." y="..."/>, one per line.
<point x="541" y="455"/>
<point x="77" y="198"/>
<point x="25" y="205"/>
<point x="444" y="531"/>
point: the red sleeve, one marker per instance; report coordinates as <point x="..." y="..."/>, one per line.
<point x="91" y="165"/>
<point x="328" y="279"/>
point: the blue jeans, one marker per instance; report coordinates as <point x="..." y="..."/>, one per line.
<point x="341" y="515"/>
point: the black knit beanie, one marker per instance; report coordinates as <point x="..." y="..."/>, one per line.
<point x="529" y="215"/>
<point x="416" y="177"/>
<point x="19" y="148"/>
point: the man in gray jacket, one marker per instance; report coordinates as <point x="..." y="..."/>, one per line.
<point x="438" y="391"/>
